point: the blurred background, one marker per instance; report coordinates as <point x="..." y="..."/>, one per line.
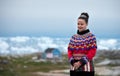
<point x="35" y="34"/>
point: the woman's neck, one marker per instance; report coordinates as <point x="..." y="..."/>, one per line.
<point x="83" y="32"/>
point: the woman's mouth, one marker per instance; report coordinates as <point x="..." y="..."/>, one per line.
<point x="80" y="27"/>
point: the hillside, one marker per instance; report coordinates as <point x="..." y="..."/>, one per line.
<point x="106" y="64"/>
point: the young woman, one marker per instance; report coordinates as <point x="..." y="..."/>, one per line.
<point x="81" y="49"/>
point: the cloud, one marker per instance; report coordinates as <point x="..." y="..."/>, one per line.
<point x="19" y="39"/>
<point x="100" y="47"/>
<point x="23" y="50"/>
<point x="107" y="44"/>
<point x="3" y="45"/>
<point x="45" y="46"/>
<point x="46" y="42"/>
<point x="27" y="45"/>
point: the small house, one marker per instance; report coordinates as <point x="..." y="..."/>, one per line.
<point x="53" y="54"/>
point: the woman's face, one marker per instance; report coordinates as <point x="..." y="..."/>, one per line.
<point x="82" y="25"/>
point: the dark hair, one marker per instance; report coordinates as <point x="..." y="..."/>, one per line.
<point x="84" y="16"/>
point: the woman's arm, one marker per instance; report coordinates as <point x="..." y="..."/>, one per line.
<point x="70" y="57"/>
<point x="91" y="53"/>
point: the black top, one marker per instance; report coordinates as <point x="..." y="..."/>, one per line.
<point x="83" y="32"/>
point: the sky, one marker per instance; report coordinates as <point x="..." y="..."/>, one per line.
<point x="58" y="18"/>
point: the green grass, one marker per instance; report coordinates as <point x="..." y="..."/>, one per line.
<point x="24" y="66"/>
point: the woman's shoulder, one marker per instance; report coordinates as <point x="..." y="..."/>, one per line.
<point x="74" y="36"/>
<point x="91" y="34"/>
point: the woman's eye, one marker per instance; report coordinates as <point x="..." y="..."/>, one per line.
<point x="80" y="23"/>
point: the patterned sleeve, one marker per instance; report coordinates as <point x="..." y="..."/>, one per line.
<point x="70" y="52"/>
<point x="91" y="53"/>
